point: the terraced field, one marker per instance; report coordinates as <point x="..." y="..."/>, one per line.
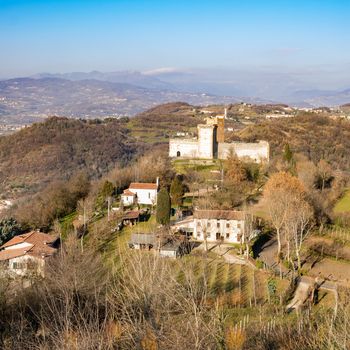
<point x="237" y="285"/>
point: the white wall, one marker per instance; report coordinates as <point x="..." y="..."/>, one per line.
<point x="127" y="200"/>
<point x="145" y="196"/>
<point x="19" y="246"/>
<point x="235" y="229"/>
<point x="25" y="259"/>
<point x="205" y="141"/>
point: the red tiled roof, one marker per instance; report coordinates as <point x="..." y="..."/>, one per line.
<point x="143" y="186"/>
<point x="39" y="246"/>
<point x="12" y="253"/>
<point x="127" y="192"/>
<point x="219" y="214"/>
<point x="32" y="237"/>
<point x="131" y="215"/>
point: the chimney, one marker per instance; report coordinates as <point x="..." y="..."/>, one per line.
<point x="157" y="182"/>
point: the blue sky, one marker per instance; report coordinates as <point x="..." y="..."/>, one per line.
<point x="65" y="36"/>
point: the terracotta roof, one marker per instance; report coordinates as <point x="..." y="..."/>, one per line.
<point x="127" y="192"/>
<point x="131" y="215"/>
<point x="32" y="237"/>
<point x="39" y="246"/>
<point x="143" y="186"/>
<point x="219" y="214"/>
<point x="12" y="253"/>
<point x="39" y="251"/>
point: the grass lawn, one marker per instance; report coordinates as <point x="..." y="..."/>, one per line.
<point x="200" y="165"/>
<point x="343" y="205"/>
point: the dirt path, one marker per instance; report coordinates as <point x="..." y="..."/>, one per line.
<point x="301" y="294"/>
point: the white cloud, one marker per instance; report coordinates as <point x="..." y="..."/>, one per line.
<point x="163" y="70"/>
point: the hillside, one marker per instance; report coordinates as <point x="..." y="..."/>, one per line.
<point x="60" y="147"/>
<point x="316" y="137"/>
<point x="26" y="100"/>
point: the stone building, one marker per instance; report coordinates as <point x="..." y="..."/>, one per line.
<point x="210" y="144"/>
<point x="27" y="253"/>
<point x="227" y="226"/>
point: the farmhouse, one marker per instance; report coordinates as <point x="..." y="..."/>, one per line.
<point x="140" y="193"/>
<point x="227" y="226"/>
<point x="210" y="144"/>
<point x="27" y="253"/>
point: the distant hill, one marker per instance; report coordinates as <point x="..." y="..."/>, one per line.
<point x="123" y="77"/>
<point x="60" y="147"/>
<point x="320" y="98"/>
<point x="26" y="100"/>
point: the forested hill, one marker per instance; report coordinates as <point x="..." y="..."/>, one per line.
<point x="60" y="147"/>
<point x="315" y="136"/>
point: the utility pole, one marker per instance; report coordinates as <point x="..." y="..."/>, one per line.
<point x="108" y="207"/>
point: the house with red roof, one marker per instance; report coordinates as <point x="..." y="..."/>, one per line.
<point x="27" y="253"/>
<point x="141" y="193"/>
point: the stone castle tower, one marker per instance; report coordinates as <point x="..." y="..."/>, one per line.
<point x="210" y="144"/>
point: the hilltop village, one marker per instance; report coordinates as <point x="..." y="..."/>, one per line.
<point x="241" y="214"/>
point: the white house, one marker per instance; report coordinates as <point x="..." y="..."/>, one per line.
<point x="128" y="198"/>
<point x="141" y="193"/>
<point x="227" y="226"/>
<point x="27" y="253"/>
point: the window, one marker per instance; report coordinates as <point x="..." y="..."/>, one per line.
<point x="209" y="224"/>
<point x="18" y="266"/>
<point x="227" y="225"/>
<point x="227" y="234"/>
<point x="218" y="224"/>
<point x="238" y="225"/>
<point x="149" y="194"/>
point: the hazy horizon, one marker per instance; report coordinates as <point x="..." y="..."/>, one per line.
<point x="269" y="49"/>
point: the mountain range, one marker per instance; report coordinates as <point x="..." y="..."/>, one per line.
<point x="97" y="94"/>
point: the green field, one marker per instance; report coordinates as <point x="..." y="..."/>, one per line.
<point x="343" y="205"/>
<point x="183" y="165"/>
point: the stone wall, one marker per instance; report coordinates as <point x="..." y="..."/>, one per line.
<point x="258" y="151"/>
<point x="184" y="148"/>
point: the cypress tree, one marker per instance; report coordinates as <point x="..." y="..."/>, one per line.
<point x="176" y="191"/>
<point x="163" y="207"/>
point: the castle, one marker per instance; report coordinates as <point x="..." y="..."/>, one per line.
<point x="211" y="144"/>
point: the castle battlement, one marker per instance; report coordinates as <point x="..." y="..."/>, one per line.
<point x="211" y="144"/>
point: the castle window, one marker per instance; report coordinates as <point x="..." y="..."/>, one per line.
<point x="178" y="154"/>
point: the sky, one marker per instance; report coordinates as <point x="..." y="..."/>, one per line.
<point x="302" y="37"/>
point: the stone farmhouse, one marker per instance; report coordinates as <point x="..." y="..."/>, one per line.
<point x="219" y="225"/>
<point x="27" y="253"/>
<point x="140" y="193"/>
<point x="226" y="226"/>
<point x="211" y="144"/>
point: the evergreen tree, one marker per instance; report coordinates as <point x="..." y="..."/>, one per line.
<point x="163" y="207"/>
<point x="177" y="190"/>
<point x="8" y="229"/>
<point x="287" y="153"/>
<point x="106" y="190"/>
